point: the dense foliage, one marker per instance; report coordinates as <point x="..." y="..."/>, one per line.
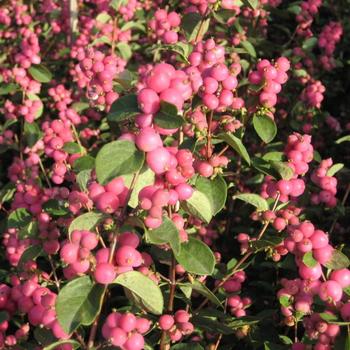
<point x="173" y="174"/>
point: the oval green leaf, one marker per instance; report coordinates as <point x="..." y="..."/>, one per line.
<point x="254" y="199"/>
<point x="143" y="287"/>
<point x="237" y="145"/>
<point x="196" y="257"/>
<point x="87" y="221"/>
<point x="265" y="127"/>
<point x="167" y="117"/>
<point x="167" y="232"/>
<point x="78" y="303"/>
<point x="117" y="158"/>
<point x="123" y="108"/>
<point x="40" y="73"/>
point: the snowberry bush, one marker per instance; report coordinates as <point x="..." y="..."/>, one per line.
<point x="173" y="175"/>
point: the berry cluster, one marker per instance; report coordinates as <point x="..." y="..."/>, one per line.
<point x="96" y="72"/>
<point x="126" y="258"/>
<point x="269" y="77"/>
<point x="312" y="95"/>
<point x="76" y="253"/>
<point x="165" y="26"/>
<point x="125" y="330"/>
<point x="238" y="305"/>
<point x="110" y="197"/>
<point x="57" y="133"/>
<point x="328" y="184"/>
<point x="299" y="152"/>
<point x="328" y="39"/>
<point x="176" y="326"/>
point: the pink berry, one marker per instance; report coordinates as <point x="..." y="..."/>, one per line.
<point x="118" y="337"/>
<point x="127" y="322"/>
<point x="166" y="322"/>
<point x="331" y="291"/>
<point x="105" y="273"/>
<point x="128" y="256"/>
<point x="148" y="101"/>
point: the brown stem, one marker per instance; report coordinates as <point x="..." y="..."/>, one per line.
<point x="172" y="277"/>
<point x="44" y="173"/>
<point x="209" y="147"/>
<point x="201" y="27"/>
<point x="223" y="150"/>
<point x="93" y="330"/>
<point x="57" y="282"/>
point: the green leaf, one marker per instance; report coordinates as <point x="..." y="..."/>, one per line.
<point x="19" y="218"/>
<point x="199" y="206"/>
<point x="211" y="325"/>
<point x="146" y="177"/>
<point x="167" y="232"/>
<point x="328" y="317"/>
<point x="143" y="287"/>
<point x="7" y="192"/>
<point x="285" y="300"/>
<point x="87" y="221"/>
<point x="215" y="190"/>
<point x="78" y="303"/>
<point x="196" y="257"/>
<point x="126" y="79"/>
<point x="124" y="50"/>
<point x="84" y="163"/>
<point x="309" y="43"/>
<point x="75" y="344"/>
<point x="276" y="156"/>
<point x="40" y="73"/>
<point x="116" y="4"/>
<point x="254" y="199"/>
<point x="338" y="261"/>
<point x="83" y="178"/>
<point x="208" y="198"/>
<point x="80" y="106"/>
<point x="202" y="289"/>
<point x="44" y="336"/>
<point x="55" y="207"/>
<point x="334" y="169"/>
<point x="309" y="260"/>
<point x="266" y="243"/>
<point x="283" y="169"/>
<point x="343" y="139"/>
<point x="8" y="88"/>
<point x="123" y="108"/>
<point x="236" y="144"/>
<point x="193" y="27"/>
<point x="285" y="340"/>
<point x="167" y="117"/>
<point x="72" y="148"/>
<point x="247" y="45"/>
<point x="40" y="110"/>
<point x="253" y="4"/>
<point x="103" y="17"/>
<point x="32" y="133"/>
<point x="117" y="158"/>
<point x="30" y="230"/>
<point x="31" y="253"/>
<point x="265" y="127"/>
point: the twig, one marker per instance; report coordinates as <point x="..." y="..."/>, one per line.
<point x="44" y="173"/>
<point x="242" y="261"/>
